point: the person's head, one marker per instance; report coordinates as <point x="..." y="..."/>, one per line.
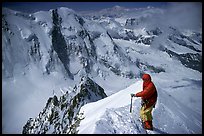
<point x="146" y="77"/>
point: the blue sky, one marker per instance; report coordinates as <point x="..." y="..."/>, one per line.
<point x="77" y="6"/>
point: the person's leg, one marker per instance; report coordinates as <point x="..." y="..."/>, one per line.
<point x="142" y="116"/>
<point x="146" y="117"/>
<point x="148" y="122"/>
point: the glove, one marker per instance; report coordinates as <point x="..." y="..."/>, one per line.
<point x="132" y="95"/>
<point x="136" y="95"/>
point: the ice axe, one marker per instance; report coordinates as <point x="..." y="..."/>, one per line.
<point x="131" y="103"/>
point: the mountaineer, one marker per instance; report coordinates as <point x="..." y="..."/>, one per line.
<point x="149" y="99"/>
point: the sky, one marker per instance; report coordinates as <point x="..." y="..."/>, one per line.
<point x="77" y="6"/>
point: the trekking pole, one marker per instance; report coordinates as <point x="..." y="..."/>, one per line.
<point x="131" y="104"/>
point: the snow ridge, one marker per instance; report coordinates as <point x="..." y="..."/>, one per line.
<point x="60" y="115"/>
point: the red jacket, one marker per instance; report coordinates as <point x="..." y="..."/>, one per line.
<point x="149" y="92"/>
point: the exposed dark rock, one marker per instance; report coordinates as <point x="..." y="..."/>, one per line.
<point x="62" y="115"/>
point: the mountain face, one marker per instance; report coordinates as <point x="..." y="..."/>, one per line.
<point x="67" y="39"/>
<point x="55" y="49"/>
<point x="60" y="115"/>
<point x="73" y="40"/>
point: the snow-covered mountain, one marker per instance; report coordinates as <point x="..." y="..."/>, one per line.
<point x="47" y="53"/>
<point x="61" y="116"/>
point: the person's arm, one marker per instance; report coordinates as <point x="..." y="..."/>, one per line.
<point x="148" y="91"/>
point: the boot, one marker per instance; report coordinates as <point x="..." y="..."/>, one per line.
<point x="148" y="125"/>
<point x="143" y="125"/>
<point x="150" y="122"/>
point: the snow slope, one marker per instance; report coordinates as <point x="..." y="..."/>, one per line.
<point x="112" y="115"/>
<point x="95" y="110"/>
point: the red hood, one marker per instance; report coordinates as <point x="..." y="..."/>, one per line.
<point x="146" y="79"/>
